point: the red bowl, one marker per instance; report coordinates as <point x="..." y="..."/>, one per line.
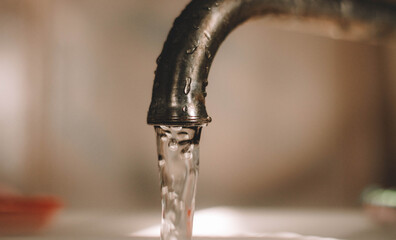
<point x="25" y="215"/>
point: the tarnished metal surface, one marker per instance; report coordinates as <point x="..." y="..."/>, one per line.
<point x="181" y="77"/>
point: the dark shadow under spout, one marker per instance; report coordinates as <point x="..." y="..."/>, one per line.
<point x="181" y="77"/>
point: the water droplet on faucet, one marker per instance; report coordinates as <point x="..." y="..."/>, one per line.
<point x="187" y="86"/>
<point x="158" y="59"/>
<point x="185" y="109"/>
<point x="207" y="35"/>
<point x="208" y="54"/>
<point x="191" y="50"/>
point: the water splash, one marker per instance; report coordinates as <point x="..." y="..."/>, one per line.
<point x="178" y="161"/>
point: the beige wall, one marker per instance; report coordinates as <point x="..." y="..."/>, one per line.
<point x="295" y="116"/>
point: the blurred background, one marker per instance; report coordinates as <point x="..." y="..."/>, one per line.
<point x="298" y="119"/>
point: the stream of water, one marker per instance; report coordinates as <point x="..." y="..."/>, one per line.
<point x="178" y="161"/>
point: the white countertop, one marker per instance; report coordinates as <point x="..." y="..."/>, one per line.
<point x="219" y="223"/>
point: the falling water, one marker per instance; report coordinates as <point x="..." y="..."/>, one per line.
<point x="178" y="161"/>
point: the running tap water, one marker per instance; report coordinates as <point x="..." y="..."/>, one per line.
<point x="177" y="108"/>
<point x="178" y="161"/>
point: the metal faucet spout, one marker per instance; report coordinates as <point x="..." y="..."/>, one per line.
<point x="180" y="82"/>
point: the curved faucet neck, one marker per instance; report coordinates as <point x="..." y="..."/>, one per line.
<point x="181" y="77"/>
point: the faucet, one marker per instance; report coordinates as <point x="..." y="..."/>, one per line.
<point x="179" y="91"/>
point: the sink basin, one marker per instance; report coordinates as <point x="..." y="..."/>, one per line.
<point x="222" y="223"/>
